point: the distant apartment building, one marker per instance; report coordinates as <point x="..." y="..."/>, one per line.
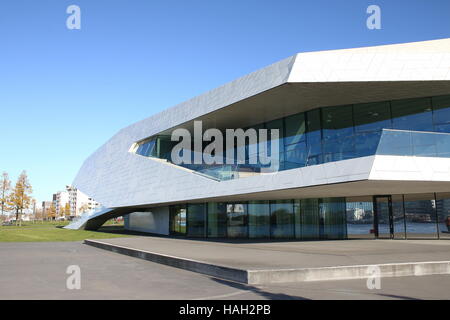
<point x="46" y="205"/>
<point x="60" y="199"/>
<point x="80" y="202"/>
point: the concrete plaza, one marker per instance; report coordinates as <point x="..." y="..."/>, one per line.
<point x="38" y="271"/>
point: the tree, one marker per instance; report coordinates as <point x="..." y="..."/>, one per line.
<point x="5" y="186"/>
<point x="67" y="209"/>
<point x="84" y="208"/>
<point x="20" y="199"/>
<point x="52" y="211"/>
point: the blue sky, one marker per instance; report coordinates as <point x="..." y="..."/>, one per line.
<point x="64" y="92"/>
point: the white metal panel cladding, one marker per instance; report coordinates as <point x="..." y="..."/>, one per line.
<point x="116" y="178"/>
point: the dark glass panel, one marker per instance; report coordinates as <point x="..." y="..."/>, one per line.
<point x="196" y="219"/>
<point x="441" y="113"/>
<point x="313" y="138"/>
<point x="295" y="129"/>
<point x="337" y="122"/>
<point x="177" y="219"/>
<point x="412" y="114"/>
<point x="282" y="219"/>
<point x="333" y="218"/>
<point x="297" y="219"/>
<point x="259" y="219"/>
<point x="309" y="214"/>
<point x="217" y="219"/>
<point x="372" y="116"/>
<point x="443" y="210"/>
<point x="399" y="217"/>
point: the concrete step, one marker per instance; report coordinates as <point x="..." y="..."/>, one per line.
<point x="282" y="275"/>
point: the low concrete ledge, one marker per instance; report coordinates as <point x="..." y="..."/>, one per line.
<point x="228" y="273"/>
<point x="348" y="272"/>
<point x="282" y="275"/>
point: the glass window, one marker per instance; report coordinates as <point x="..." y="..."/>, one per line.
<point x="443" y="211"/>
<point x="196" y="219"/>
<point x="441" y="113"/>
<point x="398" y="215"/>
<point x="297" y="219"/>
<point x="309" y="216"/>
<point x="337" y="122"/>
<point x="332" y="215"/>
<point x="338" y="138"/>
<point x="360" y="217"/>
<point x="294" y="129"/>
<point x="282" y="219"/>
<point x="420" y="213"/>
<point x="372" y="116"/>
<point x="177" y="219"/>
<point x="217" y="219"/>
<point x="237" y="220"/>
<point x="276" y="124"/>
<point x="412" y="114"/>
<point x="259" y="219"/>
<point x="295" y="156"/>
<point x="313" y="138"/>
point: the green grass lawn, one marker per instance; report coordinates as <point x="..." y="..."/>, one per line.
<point x="53" y="231"/>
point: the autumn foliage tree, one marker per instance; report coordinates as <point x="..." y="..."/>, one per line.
<point x="20" y="198"/>
<point x="67" y="210"/>
<point x="52" y="212"/>
<point x="5" y="186"/>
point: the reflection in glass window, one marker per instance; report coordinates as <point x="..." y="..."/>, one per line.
<point x="237" y="220"/>
<point x="412" y="114"/>
<point x="420" y="213"/>
<point x="332" y="215"/>
<point x="309" y="213"/>
<point x="337" y="122"/>
<point x="177" y="219"/>
<point x="282" y="219"/>
<point x="196" y="219"/>
<point x="443" y="211"/>
<point x="372" y="116"/>
<point x="294" y="129"/>
<point x="259" y="219"/>
<point x="360" y="217"/>
<point x="217" y="219"/>
<point x="398" y="215"/>
<point x="441" y="113"/>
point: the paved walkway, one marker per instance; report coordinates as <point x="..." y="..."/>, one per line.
<point x="38" y="271"/>
<point x="285" y="255"/>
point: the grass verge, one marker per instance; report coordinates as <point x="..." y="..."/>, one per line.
<point x="53" y="231"/>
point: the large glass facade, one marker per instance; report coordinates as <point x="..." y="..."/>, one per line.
<point x="411" y="216"/>
<point x="337" y="133"/>
<point x="278" y="219"/>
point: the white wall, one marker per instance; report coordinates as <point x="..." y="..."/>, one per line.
<point x="156" y="221"/>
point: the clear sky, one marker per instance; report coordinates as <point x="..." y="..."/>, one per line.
<point x="64" y="92"/>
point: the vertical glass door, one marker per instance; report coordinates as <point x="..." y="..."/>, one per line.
<point x="383" y="217"/>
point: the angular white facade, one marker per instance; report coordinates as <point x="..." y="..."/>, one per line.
<point x="119" y="178"/>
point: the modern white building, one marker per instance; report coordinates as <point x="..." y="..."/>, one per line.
<point x="80" y="202"/>
<point x="365" y="129"/>
<point x="60" y="199"/>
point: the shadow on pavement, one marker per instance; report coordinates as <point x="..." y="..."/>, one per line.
<point x="262" y="293"/>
